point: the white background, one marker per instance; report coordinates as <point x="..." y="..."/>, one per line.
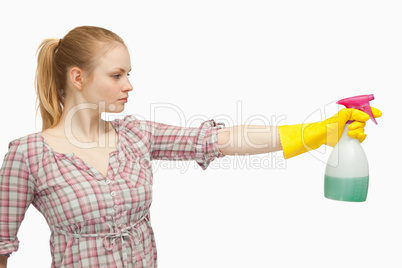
<point x="277" y="59"/>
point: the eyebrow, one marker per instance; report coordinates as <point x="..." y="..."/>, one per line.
<point x="122" y="70"/>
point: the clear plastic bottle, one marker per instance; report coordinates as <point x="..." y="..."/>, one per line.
<point x="347" y="171"/>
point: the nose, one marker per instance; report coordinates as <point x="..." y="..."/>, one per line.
<point x="128" y="86"/>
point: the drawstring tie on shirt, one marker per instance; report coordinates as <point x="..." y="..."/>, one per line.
<point x="109" y="239"/>
<point x="121" y="234"/>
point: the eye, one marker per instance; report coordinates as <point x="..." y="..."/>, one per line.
<point x="116" y="76"/>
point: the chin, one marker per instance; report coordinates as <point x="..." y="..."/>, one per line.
<point x="115" y="109"/>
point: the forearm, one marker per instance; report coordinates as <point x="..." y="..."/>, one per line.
<point x="3" y="261"/>
<point x="248" y="139"/>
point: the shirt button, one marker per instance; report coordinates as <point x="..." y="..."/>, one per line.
<point x="113" y="193"/>
<point x="107" y="181"/>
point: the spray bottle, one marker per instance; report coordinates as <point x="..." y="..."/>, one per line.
<point x="347" y="171"/>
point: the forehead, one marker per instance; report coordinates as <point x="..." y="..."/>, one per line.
<point x="115" y="57"/>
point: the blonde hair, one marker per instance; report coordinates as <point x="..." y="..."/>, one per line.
<point x="79" y="48"/>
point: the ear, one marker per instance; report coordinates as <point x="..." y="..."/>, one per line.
<point x="76" y="77"/>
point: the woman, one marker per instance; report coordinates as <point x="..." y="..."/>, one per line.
<point x="92" y="179"/>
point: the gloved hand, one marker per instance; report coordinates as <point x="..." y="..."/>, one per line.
<point x="298" y="139"/>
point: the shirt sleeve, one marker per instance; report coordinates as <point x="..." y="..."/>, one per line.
<point x="167" y="142"/>
<point x="16" y="194"/>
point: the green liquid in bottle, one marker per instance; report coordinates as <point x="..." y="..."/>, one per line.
<point x="346" y="189"/>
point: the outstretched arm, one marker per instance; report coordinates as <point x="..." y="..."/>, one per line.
<point x="293" y="139"/>
<point x="251" y="139"/>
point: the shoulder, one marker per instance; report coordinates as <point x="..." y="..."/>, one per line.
<point x="132" y="124"/>
<point x="29" y="146"/>
<point x="25" y="141"/>
<point x="122" y="123"/>
<point x="133" y="129"/>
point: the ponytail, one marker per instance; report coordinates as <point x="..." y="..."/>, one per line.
<point x="79" y="48"/>
<point x="49" y="95"/>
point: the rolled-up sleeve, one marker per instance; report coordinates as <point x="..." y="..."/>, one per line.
<point x="169" y="142"/>
<point x="16" y="193"/>
<point x="207" y="143"/>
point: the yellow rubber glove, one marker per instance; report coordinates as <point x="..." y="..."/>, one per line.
<point x="298" y="139"/>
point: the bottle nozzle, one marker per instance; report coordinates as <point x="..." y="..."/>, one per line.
<point x="361" y="103"/>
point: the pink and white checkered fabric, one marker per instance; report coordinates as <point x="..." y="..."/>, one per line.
<point x="96" y="221"/>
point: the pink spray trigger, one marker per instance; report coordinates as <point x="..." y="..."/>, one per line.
<point x="361" y="103"/>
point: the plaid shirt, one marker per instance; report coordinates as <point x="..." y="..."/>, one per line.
<point x="96" y="221"/>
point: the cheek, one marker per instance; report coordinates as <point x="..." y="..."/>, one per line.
<point x="104" y="91"/>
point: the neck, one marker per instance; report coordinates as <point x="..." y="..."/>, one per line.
<point x="83" y="121"/>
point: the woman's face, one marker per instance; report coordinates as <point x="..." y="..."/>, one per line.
<point x="109" y="86"/>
